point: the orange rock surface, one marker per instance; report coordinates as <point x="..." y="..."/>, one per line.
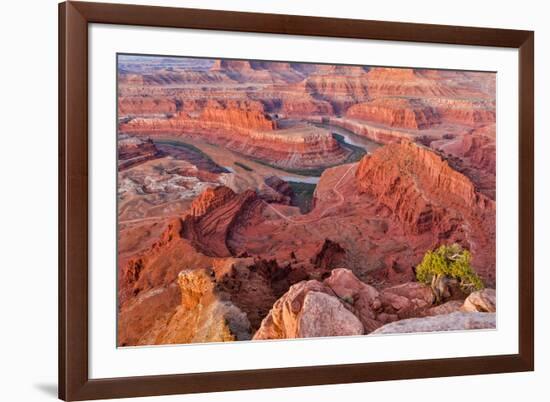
<point x="405" y="113"/>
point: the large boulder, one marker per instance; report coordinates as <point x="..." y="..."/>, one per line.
<point x="360" y="298"/>
<point x="456" y="321"/>
<point x="406" y="300"/>
<point x="324" y="315"/>
<point x="308" y="309"/>
<point x="482" y="300"/>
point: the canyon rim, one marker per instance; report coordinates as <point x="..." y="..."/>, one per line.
<point x="263" y="200"/>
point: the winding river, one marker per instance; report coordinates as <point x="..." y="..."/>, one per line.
<point x="351" y="138"/>
<point x="344" y="136"/>
<point x="347" y="137"/>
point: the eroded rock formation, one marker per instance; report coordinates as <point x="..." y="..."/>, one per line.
<point x="413" y="182"/>
<point x="205" y="313"/>
<point x="214" y="217"/>
<point x="418" y="188"/>
<point x="405" y="113"/>
<point x="245" y="128"/>
<point x="132" y="151"/>
<point x="292" y="317"/>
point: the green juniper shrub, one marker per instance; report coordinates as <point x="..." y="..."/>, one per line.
<point x="448" y="262"/>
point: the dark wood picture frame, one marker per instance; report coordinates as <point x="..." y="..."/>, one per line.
<point x="74" y="381"/>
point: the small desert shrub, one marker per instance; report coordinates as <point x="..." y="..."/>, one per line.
<point x="448" y="262"/>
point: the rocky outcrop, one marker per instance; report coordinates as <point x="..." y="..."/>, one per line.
<point x="246" y="129"/>
<point x="457" y="321"/>
<point x="413" y="181"/>
<point x="395" y="112"/>
<point x="473" y="154"/>
<point x="482" y="300"/>
<point x="205" y="313"/>
<point x="464" y="111"/>
<point x="139" y="274"/>
<point x="341" y="86"/>
<point x="303" y="146"/>
<point x="147" y="288"/>
<point x="426" y="196"/>
<point x="348" y="296"/>
<point x="308" y="309"/>
<point x="363" y="300"/>
<point x="157" y="311"/>
<point x="324" y="315"/>
<point x="258" y="71"/>
<point x="297" y="102"/>
<point x="162" y="186"/>
<point x="405" y="82"/>
<point x="146" y="105"/>
<point x="215" y="214"/>
<point x="232" y="116"/>
<point x="133" y="150"/>
<point x="276" y="190"/>
<point x="279" y="185"/>
<point x="167" y="78"/>
<point x="210" y="199"/>
<point x="329" y="255"/>
<point x="406" y="300"/>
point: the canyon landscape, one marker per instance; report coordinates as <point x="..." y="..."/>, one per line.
<point x="275" y="200"/>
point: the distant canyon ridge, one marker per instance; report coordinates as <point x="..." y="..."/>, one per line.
<point x="271" y="200"/>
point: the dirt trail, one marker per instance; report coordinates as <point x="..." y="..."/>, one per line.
<point x="325" y="212"/>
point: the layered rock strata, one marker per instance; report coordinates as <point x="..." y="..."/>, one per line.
<point x="132" y="151"/>
<point x="404" y="113"/>
<point x="244" y="128"/>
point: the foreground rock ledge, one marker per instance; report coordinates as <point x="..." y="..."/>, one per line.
<point x="456" y="321"/>
<point x="308" y="309"/>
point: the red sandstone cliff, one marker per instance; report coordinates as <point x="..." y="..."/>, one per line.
<point x="132" y="151"/>
<point x="473" y="154"/>
<point x="230" y="114"/>
<point x="405" y="82"/>
<point x="258" y="71"/>
<point x="417" y="185"/>
<point x="395" y="112"/>
<point x="214" y="217"/>
<point x="245" y="128"/>
<point x="414" y="186"/>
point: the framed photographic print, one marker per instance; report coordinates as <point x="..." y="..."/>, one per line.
<point x="260" y="200"/>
